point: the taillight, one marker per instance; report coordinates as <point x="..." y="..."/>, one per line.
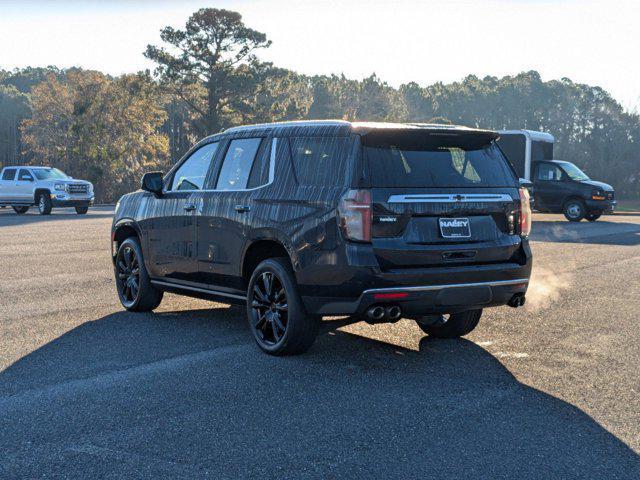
<point x="355" y="214"/>
<point x="525" y="213"/>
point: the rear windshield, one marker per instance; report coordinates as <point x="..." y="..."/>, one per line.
<point x="430" y="164"/>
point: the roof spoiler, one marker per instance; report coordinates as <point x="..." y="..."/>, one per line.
<point x="466" y="135"/>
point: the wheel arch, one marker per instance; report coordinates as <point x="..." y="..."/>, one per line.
<point x="573" y="196"/>
<point x="259" y="250"/>
<point x="123" y="229"/>
<point x="40" y="190"/>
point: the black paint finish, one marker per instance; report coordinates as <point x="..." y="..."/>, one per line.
<point x="200" y="239"/>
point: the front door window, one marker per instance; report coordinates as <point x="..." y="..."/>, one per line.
<point x="549" y="172"/>
<point x="193" y="172"/>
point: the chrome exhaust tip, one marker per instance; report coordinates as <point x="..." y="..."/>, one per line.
<point x="394" y="312"/>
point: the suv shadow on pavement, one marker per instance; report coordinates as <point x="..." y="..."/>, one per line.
<point x="187" y="394"/>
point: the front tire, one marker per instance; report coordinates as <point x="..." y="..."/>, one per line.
<point x="455" y="326"/>
<point x="82" y="210"/>
<point x="277" y="317"/>
<point x="44" y="204"/>
<point x="574" y="210"/>
<point x="20" y="210"/>
<point x="135" y="291"/>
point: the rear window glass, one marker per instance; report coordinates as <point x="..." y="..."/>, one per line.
<point x="320" y="161"/>
<point x="9" y="174"/>
<point x="438" y="166"/>
<point x="237" y="164"/>
<point x="260" y="170"/>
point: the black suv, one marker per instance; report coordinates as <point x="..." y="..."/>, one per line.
<point x="301" y="220"/>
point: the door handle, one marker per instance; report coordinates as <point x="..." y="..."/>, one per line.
<point x="189" y="207"/>
<point x="243" y="208"/>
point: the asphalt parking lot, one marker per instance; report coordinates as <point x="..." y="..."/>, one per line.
<point x="89" y="391"/>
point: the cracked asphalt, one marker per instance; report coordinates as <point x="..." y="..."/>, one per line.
<point x="88" y="390"/>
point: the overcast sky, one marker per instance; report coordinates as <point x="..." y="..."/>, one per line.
<point x="423" y="41"/>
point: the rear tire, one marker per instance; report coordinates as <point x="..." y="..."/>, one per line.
<point x="592" y="217"/>
<point x="574" y="210"/>
<point x="457" y="325"/>
<point x="135" y="291"/>
<point x="20" y="210"/>
<point x="44" y="204"/>
<point x="82" y="210"/>
<point x="276" y="314"/>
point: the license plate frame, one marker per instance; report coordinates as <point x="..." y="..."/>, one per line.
<point x="459" y="227"/>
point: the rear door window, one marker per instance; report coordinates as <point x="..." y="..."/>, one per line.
<point x="454" y="164"/>
<point x="9" y="174"/>
<point x="320" y="161"/>
<point x="236" y="168"/>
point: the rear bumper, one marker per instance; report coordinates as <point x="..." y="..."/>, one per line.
<point x="424" y="299"/>
<point x="444" y="289"/>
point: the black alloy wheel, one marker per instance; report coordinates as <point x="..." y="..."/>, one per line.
<point x="453" y="325"/>
<point x="135" y="291"/>
<point x="276" y="314"/>
<point x="270" y="310"/>
<point x="128" y="275"/>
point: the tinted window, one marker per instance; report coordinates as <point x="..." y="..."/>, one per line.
<point x="236" y="167"/>
<point x="549" y="172"/>
<point x="9" y="174"/>
<point x="24" y="175"/>
<point x="260" y="170"/>
<point x="320" y="161"/>
<point x="462" y="165"/>
<point x="192" y="173"/>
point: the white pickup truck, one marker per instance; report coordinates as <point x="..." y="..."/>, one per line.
<point x="46" y="187"/>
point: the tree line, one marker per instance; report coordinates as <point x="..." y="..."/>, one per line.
<point x="112" y="129"/>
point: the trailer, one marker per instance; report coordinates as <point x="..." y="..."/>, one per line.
<point x="525" y="147"/>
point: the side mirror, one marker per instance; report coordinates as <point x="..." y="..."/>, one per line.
<point x="528" y="184"/>
<point x="153" y="182"/>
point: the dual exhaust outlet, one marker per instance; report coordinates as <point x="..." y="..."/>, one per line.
<point x="517" y="300"/>
<point x="393" y="313"/>
<point x="383" y="313"/>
